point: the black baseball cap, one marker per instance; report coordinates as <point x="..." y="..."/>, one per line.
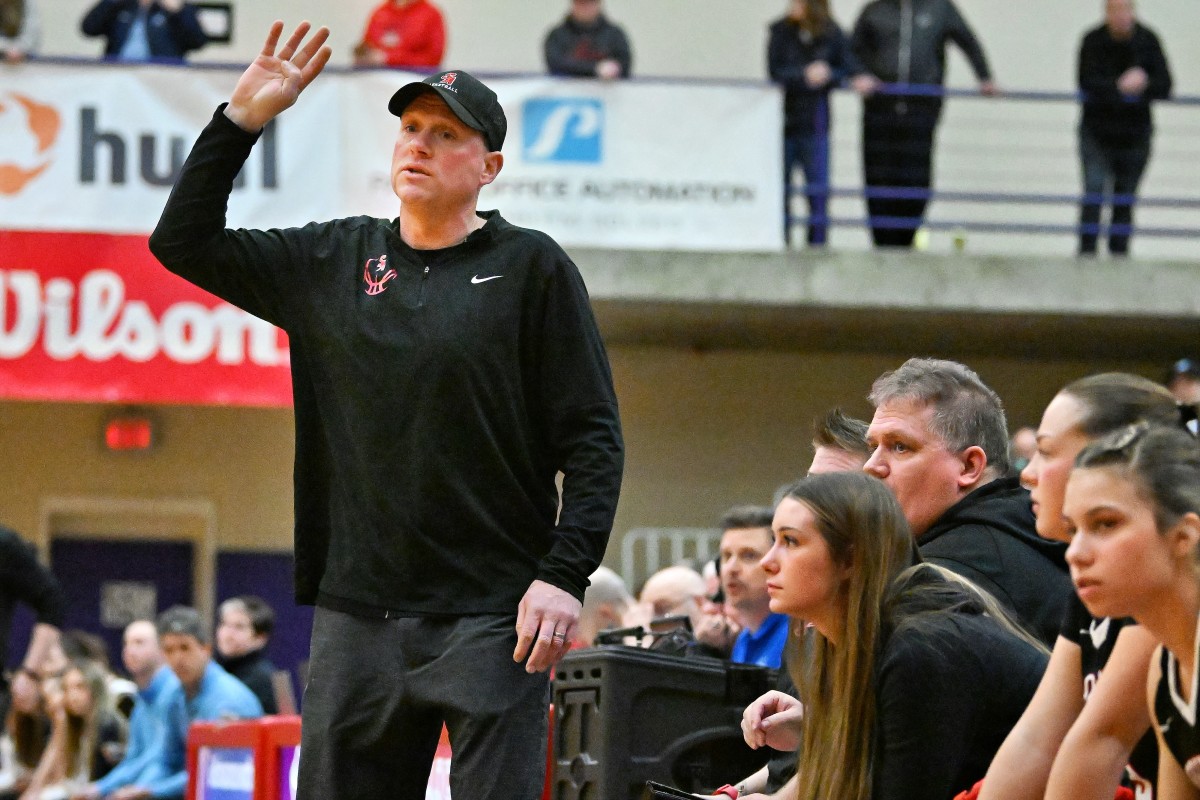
<point x="472" y="102"/>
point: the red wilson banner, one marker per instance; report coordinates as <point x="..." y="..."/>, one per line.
<point x="94" y="318"/>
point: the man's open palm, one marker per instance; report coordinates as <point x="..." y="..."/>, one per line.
<point x="273" y="81"/>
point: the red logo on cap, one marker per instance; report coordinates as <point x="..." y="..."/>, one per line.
<point x="449" y="78"/>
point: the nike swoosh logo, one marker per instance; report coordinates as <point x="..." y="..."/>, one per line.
<point x="478" y="279"/>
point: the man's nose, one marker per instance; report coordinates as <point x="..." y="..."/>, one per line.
<point x="417" y="142"/>
<point x="875" y="464"/>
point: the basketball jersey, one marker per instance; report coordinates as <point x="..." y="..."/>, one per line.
<point x="1096" y="637"/>
<point x="1177" y="717"/>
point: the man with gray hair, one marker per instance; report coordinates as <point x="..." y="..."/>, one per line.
<point x="605" y="602"/>
<point x="939" y="440"/>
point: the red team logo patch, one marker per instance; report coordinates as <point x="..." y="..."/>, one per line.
<point x="376" y="275"/>
<point x="449" y="78"/>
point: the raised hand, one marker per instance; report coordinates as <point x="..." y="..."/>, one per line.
<point x="273" y="80"/>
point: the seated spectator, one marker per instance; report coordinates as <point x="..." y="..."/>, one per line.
<point x="718" y="629"/>
<point x="403" y="33"/>
<point x="939" y="441"/>
<point x="676" y="591"/>
<point x="80" y="645"/>
<point x="1183" y="380"/>
<point x="605" y="603"/>
<point x="206" y="692"/>
<point x="26" y="732"/>
<point x="145" y="30"/>
<point x="745" y="539"/>
<point x="20" y="30"/>
<point x="587" y="45"/>
<point x="157" y="686"/>
<point x="808" y="55"/>
<point x="911" y="676"/>
<point x="1021" y="449"/>
<point x="839" y="443"/>
<point x="24" y="580"/>
<point x="679" y="592"/>
<point x="244" y="628"/>
<point x="87" y="736"/>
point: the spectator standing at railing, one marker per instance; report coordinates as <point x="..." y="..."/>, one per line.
<point x="145" y="30"/>
<point x="20" y="30"/>
<point x="904" y="42"/>
<point x="403" y="33"/>
<point x="587" y="45"/>
<point x="808" y="55"/>
<point x="1122" y="68"/>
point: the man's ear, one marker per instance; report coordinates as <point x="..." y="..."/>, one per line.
<point x="492" y="164"/>
<point x="974" y="464"/>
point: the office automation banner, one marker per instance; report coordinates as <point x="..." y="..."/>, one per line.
<point x="86" y="314"/>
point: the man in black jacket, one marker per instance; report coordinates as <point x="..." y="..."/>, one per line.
<point x="244" y="626"/>
<point x="904" y="42"/>
<point x="940" y="442"/>
<point x="1122" y="68"/>
<point x="446" y="367"/>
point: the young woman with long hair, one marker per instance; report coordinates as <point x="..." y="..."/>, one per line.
<point x="1133" y="504"/>
<point x="911" y="677"/>
<point x="1063" y="749"/>
<point x="26" y="731"/>
<point x="86" y="737"/>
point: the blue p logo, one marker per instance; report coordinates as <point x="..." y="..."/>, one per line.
<point x="563" y="130"/>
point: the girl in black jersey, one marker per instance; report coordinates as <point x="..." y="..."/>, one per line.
<point x="1062" y="749"/>
<point x="911" y="677"/>
<point x="1133" y="504"/>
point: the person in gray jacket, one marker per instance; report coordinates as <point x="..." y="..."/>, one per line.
<point x="904" y="42"/>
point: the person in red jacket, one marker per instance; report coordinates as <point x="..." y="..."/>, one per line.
<point x="402" y="33"/>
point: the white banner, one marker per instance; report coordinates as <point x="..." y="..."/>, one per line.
<point x="642" y="165"/>
<point x="100" y="154"/>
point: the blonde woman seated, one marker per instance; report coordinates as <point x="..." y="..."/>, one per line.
<point x="911" y="678"/>
<point x="87" y="736"/>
